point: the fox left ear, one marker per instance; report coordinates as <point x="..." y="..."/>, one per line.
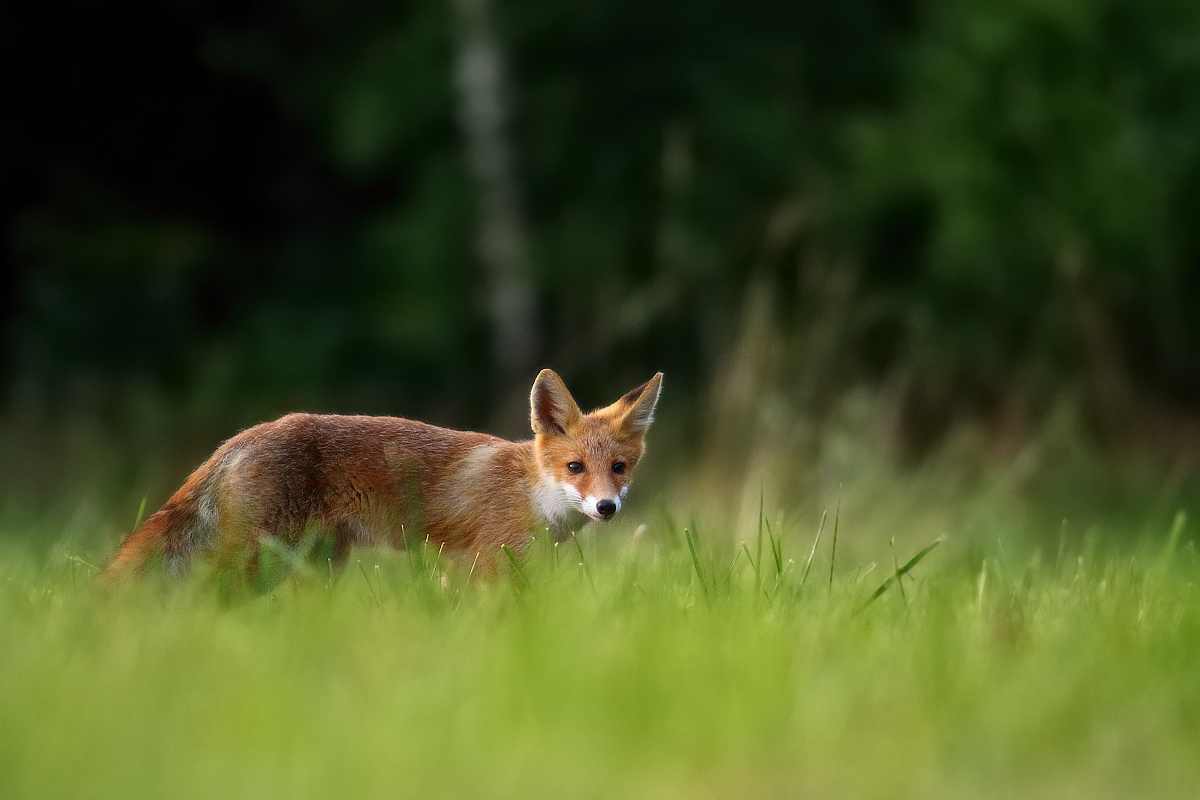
<point x="552" y="410"/>
<point x="641" y="402"/>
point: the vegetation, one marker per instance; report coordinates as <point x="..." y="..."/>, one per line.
<point x="633" y="666"/>
<point x="931" y="264"/>
<point x="244" y="208"/>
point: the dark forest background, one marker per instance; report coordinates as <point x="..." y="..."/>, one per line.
<point x="974" y="214"/>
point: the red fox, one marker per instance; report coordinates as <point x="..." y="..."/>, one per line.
<point x="357" y="480"/>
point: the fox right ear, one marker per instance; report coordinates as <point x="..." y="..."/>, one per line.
<point x="552" y="410"/>
<point x="639" y="404"/>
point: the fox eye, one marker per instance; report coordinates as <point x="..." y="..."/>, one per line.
<point x="575" y="467"/>
<point x="619" y="467"/>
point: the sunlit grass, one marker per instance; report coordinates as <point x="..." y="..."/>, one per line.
<point x="662" y="665"/>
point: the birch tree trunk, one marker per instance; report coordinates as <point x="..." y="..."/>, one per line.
<point x="483" y="99"/>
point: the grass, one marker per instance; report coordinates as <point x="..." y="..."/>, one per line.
<point x="658" y="666"/>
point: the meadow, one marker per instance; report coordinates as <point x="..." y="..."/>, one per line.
<point x="645" y="662"/>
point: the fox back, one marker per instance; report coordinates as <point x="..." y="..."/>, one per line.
<point x="344" y="481"/>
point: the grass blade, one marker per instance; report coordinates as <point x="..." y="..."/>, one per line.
<point x="436" y="572"/>
<point x="758" y="550"/>
<point x="813" y="552"/>
<point x="833" y="555"/>
<point x="137" y="523"/>
<point x="896" y="565"/>
<point x="587" y="572"/>
<point x="776" y="550"/>
<point x="912" y="562"/>
<point x="729" y="574"/>
<point x="378" y="598"/>
<point x="687" y="534"/>
<point x="463" y="591"/>
<point x="516" y="565"/>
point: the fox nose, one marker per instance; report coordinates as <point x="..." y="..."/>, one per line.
<point x="606" y="508"/>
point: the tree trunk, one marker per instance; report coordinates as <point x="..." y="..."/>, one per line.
<point x="481" y="80"/>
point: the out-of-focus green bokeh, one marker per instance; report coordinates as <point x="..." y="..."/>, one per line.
<point x="847" y="230"/>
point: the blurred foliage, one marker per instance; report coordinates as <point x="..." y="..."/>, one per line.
<point x="971" y="209"/>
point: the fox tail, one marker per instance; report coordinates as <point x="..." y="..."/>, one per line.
<point x="171" y="534"/>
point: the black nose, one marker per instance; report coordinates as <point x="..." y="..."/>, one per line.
<point x="606" y="508"/>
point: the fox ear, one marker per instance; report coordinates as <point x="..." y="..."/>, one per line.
<point x="552" y="410"/>
<point x="641" y="402"/>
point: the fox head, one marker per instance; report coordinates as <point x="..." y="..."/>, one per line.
<point x="586" y="460"/>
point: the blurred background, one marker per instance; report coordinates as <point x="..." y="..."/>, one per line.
<point x="937" y="261"/>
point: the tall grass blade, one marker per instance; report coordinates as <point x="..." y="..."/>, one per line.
<point x="583" y="565"/>
<point x="523" y="581"/>
<point x="833" y="555"/>
<point x="687" y="534"/>
<point x="137" y="523"/>
<point x="729" y="574"/>
<point x="463" y="591"/>
<point x="896" y="565"/>
<point x="813" y="552"/>
<point x="912" y="562"/>
<point x="758" y="548"/>
<point x="776" y="550"/>
<point x="436" y="571"/>
<point x="374" y="595"/>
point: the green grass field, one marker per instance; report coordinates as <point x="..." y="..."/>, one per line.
<point x="647" y="671"/>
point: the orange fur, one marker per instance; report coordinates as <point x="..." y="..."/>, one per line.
<point x="357" y="480"/>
